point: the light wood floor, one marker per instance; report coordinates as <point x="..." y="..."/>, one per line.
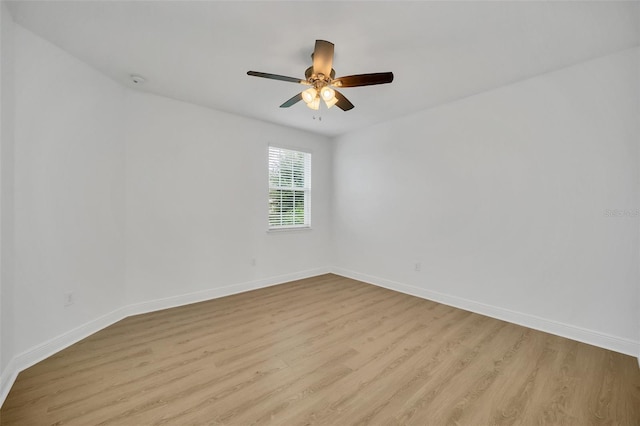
<point x="330" y="351"/>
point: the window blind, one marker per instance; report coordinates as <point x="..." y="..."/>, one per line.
<point x="289" y="188"/>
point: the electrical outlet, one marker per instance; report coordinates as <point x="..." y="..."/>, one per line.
<point x="417" y="267"/>
<point x="68" y="299"/>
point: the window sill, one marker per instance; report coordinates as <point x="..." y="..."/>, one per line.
<point x="292" y="229"/>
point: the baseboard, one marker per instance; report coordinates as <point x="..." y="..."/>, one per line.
<point x="614" y="343"/>
<point x="7" y="378"/>
<point x="214" y="293"/>
<point x="44" y="350"/>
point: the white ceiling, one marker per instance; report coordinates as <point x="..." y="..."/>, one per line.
<point x="200" y="51"/>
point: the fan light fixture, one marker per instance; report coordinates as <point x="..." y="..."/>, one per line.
<point x="312" y="97"/>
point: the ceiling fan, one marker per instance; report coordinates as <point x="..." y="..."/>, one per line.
<point x="321" y="77"/>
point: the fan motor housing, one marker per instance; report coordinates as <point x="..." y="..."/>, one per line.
<point x="308" y="74"/>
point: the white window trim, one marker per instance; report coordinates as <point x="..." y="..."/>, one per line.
<point x="283" y="230"/>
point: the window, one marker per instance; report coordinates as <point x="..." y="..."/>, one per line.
<point x="289" y="188"/>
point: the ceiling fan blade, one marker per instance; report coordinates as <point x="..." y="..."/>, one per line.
<point x="297" y="98"/>
<point x="323" y="58"/>
<point x="343" y="103"/>
<point x="276" y="77"/>
<point x="363" y="79"/>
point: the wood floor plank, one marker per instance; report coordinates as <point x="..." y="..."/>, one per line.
<point x="325" y="351"/>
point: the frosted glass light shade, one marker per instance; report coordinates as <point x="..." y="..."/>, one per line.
<point x="309" y="95"/>
<point x="314" y="104"/>
<point x="327" y="93"/>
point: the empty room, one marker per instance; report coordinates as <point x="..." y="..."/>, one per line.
<point x="319" y="213"/>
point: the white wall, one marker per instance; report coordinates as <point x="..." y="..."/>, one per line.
<point x="69" y="192"/>
<point x="6" y="190"/>
<point x="197" y="201"/>
<point x="502" y="198"/>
